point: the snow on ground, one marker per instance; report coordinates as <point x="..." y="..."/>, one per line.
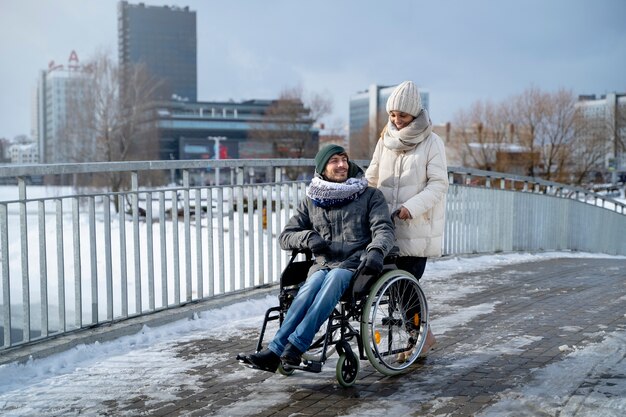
<point x="550" y="391"/>
<point x="69" y="375"/>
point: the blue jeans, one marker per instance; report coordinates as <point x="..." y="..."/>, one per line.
<point x="313" y="304"/>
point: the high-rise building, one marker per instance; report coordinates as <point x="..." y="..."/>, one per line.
<point x="163" y="38"/>
<point x="57" y="87"/>
<point x="368" y="116"/>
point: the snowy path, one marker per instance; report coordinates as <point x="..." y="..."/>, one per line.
<point x="519" y="335"/>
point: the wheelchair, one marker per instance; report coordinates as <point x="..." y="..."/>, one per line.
<point x="385" y="315"/>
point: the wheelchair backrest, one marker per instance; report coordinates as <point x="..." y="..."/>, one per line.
<point x="296" y="271"/>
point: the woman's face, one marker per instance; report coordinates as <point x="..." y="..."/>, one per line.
<point x="400" y="119"/>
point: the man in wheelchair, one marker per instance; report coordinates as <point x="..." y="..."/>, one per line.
<point x="341" y="220"/>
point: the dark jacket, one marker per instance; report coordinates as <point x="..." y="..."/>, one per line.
<point x="351" y="230"/>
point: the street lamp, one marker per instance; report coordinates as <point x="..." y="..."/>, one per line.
<point x="216" y="152"/>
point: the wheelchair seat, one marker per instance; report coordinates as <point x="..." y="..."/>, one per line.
<point x="296" y="272"/>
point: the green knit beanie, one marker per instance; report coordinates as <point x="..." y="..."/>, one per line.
<point x="324" y="154"/>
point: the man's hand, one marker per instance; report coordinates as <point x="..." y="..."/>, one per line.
<point x="374" y="262"/>
<point x="316" y="243"/>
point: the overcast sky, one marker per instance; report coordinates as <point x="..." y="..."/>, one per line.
<point x="461" y="51"/>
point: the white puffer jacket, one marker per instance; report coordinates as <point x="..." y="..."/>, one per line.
<point x="415" y="177"/>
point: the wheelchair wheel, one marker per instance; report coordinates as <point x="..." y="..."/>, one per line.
<point x="347" y="369"/>
<point x="394" y="322"/>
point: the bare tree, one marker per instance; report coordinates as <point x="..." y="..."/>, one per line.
<point x="554" y="138"/>
<point x="556" y="134"/>
<point x="548" y="125"/>
<point x="112" y="116"/>
<point x="481" y="133"/>
<point x="288" y="123"/>
<point x="588" y="149"/>
<point x="363" y="141"/>
<point x="620" y="127"/>
<point x="527" y="115"/>
<point x="359" y="144"/>
<point x="616" y="129"/>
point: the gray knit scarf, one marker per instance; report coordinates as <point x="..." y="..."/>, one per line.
<point x="409" y="136"/>
<point x="328" y="194"/>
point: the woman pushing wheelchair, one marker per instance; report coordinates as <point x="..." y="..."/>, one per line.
<point x="409" y="166"/>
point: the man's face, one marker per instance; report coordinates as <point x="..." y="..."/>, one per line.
<point x="337" y="168"/>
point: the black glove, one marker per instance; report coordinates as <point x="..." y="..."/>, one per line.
<point x="316" y="243"/>
<point x="374" y="261"/>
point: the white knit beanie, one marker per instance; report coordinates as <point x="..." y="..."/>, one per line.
<point x="405" y="98"/>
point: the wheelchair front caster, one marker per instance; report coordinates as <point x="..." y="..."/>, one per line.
<point x="285" y="372"/>
<point x="347" y="368"/>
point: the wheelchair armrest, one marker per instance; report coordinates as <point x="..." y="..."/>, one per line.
<point x="296" y="271"/>
<point x="306" y="252"/>
<point x="361" y="282"/>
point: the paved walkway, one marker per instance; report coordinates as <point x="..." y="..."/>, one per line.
<point x="496" y="339"/>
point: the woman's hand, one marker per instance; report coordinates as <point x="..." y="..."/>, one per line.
<point x="403" y="213"/>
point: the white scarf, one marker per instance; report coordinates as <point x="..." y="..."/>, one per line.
<point x="410" y="136"/>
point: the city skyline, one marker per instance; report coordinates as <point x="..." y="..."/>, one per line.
<point x="460" y="53"/>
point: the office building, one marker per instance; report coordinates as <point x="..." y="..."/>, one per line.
<point x="368" y="117"/>
<point x="188" y="130"/>
<point x="233" y="130"/>
<point x="605" y="117"/>
<point x="163" y="38"/>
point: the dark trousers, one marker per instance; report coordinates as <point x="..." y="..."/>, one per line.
<point x="413" y="264"/>
<point x="410" y="305"/>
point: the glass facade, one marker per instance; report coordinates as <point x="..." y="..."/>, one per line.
<point x="164" y="39"/>
<point x="185" y="127"/>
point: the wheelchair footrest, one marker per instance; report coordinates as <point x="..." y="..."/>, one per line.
<point x="307" y="366"/>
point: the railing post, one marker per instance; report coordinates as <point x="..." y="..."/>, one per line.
<point x="6" y="293"/>
<point x="187" y="225"/>
<point x="134" y="188"/>
<point x="21" y="184"/>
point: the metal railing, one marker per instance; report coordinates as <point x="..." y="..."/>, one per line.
<point x="74" y="258"/>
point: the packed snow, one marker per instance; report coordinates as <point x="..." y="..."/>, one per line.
<point x="30" y="388"/>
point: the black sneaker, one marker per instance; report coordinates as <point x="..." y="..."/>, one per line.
<point x="265" y="360"/>
<point x="291" y="355"/>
